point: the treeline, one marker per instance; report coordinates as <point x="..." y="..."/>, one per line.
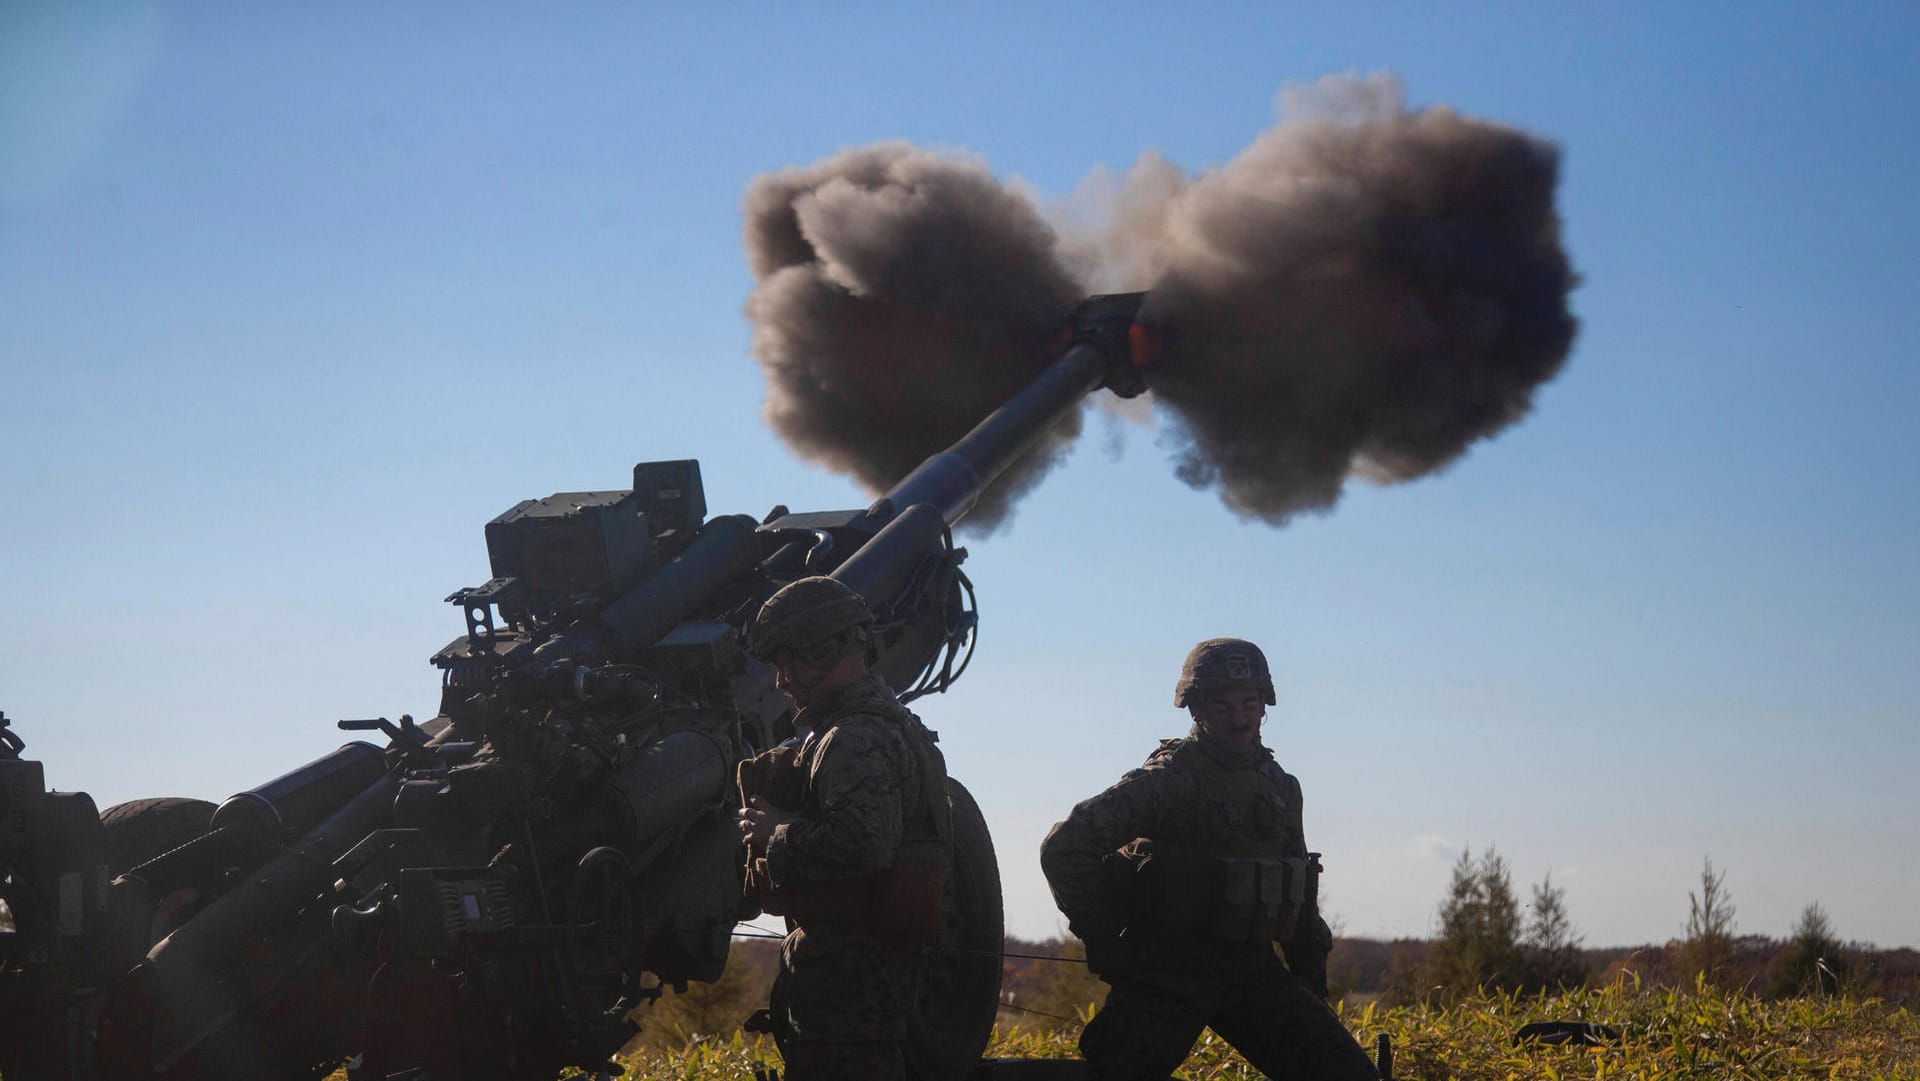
<point x="1489" y="941"/>
<point x="1485" y="943"/>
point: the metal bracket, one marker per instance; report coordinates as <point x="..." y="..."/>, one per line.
<point x="406" y="735"/>
<point x="478" y="603"/>
<point x="10" y="742"/>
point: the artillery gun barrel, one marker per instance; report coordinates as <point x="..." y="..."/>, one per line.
<point x="951" y="481"/>
<point x="941" y="490"/>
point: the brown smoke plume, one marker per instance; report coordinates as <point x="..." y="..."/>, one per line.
<point x="902" y="297"/>
<point x="1363" y="290"/>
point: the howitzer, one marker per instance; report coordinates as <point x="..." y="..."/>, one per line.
<point x="491" y="894"/>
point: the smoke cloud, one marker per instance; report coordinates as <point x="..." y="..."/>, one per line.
<point x="902" y="297"/>
<point x="1365" y="290"/>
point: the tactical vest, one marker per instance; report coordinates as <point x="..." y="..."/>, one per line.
<point x="900" y="904"/>
<point x="1231" y="865"/>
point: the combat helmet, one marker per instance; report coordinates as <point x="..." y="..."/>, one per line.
<point x="805" y="615"/>
<point x="1218" y="663"/>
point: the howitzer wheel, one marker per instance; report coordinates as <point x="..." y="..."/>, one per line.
<point x="138" y="830"/>
<point x="956" y="989"/>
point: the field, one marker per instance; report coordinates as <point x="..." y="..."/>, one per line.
<point x="1664" y="1036"/>
<point x="1704" y="1033"/>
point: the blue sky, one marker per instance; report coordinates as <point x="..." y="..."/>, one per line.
<point x="294" y="300"/>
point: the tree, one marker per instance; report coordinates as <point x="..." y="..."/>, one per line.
<point x="1814" y="962"/>
<point x="1501" y="925"/>
<point x="1479" y="942"/>
<point x="1709" y="945"/>
<point x="1551" y="946"/>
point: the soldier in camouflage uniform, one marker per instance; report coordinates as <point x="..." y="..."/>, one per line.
<point x="1182" y="877"/>
<point x="828" y="816"/>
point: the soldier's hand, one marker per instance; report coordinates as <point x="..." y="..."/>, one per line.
<point x="757" y="822"/>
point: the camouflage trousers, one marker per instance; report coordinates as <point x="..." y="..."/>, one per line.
<point x="1270" y="1016"/>
<point x="838" y="1001"/>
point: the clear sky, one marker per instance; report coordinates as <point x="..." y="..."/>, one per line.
<point x="293" y="299"/>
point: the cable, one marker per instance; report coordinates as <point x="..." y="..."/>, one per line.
<point x="1036" y="957"/>
<point x="1074" y="1021"/>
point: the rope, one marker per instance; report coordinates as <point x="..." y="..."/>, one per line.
<point x="1032" y="956"/>
<point x="1002" y="954"/>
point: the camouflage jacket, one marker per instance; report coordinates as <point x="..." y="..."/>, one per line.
<point x="861" y="786"/>
<point x="1207" y="800"/>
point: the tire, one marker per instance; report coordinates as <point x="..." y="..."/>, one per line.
<point x="957" y="981"/>
<point x="138" y="830"/>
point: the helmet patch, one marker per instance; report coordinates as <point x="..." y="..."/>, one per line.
<point x="1218" y="663"/>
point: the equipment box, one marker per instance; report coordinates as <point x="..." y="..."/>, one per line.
<point x="570" y="543"/>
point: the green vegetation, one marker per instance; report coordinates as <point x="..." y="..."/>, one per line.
<point x="1666" y="1035"/>
<point x="1702" y="1033"/>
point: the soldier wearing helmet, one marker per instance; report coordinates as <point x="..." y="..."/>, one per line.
<point x="814" y="633"/>
<point x="1183" y="877"/>
<point x="846" y="828"/>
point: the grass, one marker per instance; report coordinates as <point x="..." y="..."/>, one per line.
<point x="1666" y="1035"/>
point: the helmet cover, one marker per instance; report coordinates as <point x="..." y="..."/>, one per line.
<point x="804" y="615"/>
<point x="1219" y="663"/>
